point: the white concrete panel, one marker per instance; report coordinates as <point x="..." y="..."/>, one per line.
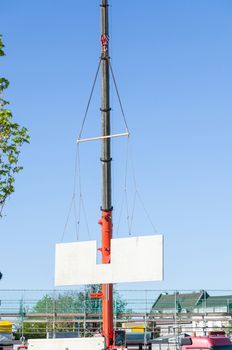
<point x="137" y="259"/>
<point x="96" y="343"/>
<point x="133" y="259"/>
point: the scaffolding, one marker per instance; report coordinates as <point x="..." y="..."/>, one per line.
<point x="51" y="313"/>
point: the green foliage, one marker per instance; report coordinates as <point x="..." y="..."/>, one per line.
<point x="68" y="302"/>
<point x="12" y="137"/>
<point x="32" y="330"/>
<point x="78" y="305"/>
<point x="77" y="302"/>
<point x="2" y="53"/>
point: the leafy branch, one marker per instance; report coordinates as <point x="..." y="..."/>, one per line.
<point x="12" y="137"/>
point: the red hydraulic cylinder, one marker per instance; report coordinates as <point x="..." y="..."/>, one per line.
<point x="107" y="289"/>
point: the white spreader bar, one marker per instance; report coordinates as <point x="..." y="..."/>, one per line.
<point x="102" y="137"/>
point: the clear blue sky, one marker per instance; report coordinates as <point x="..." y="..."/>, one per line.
<point x="172" y="60"/>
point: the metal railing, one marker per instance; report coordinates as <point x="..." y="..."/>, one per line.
<point x="42" y="313"/>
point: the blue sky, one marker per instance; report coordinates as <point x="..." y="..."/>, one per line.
<point x="172" y="61"/>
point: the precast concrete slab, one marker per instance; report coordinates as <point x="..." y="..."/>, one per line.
<point x="133" y="259"/>
<point x="95" y="343"/>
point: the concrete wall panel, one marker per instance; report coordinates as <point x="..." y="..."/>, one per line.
<point x="95" y="343"/>
<point x="133" y="259"/>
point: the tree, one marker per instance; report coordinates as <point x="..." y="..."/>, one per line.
<point x="12" y="137"/>
<point x="77" y="305"/>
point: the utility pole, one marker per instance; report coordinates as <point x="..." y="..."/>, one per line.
<point x="106" y="208"/>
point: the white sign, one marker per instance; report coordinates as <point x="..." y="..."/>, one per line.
<point x="133" y="259"/>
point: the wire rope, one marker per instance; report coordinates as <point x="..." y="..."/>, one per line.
<point x="140" y="198"/>
<point x="67" y="219"/>
<point x="81" y="200"/>
<point x="125" y="189"/>
<point x="120" y="215"/>
<point x="76" y="221"/>
<point x="146" y="212"/>
<point x="74" y="193"/>
<point x="125" y="197"/>
<point x="77" y="214"/>
<point x="118" y="95"/>
<point x="133" y="210"/>
<point x="79" y="217"/>
<point x="73" y="205"/>
<point x="124" y="200"/>
<point x="73" y="201"/>
<point x="81" y="205"/>
<point x="80" y="185"/>
<point x="89" y="100"/>
<point x="85" y="216"/>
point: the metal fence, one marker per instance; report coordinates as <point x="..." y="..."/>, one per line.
<point x="43" y="313"/>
